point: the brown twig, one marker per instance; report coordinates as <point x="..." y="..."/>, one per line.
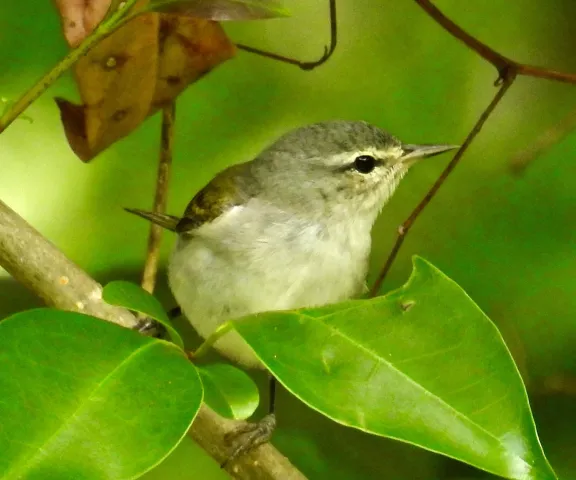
<point x="553" y="135"/>
<point x="508" y="70"/>
<point x="328" y="51"/>
<point x="498" y="60"/>
<point x="161" y="197"/>
<point x="540" y="72"/>
<point x="407" y="225"/>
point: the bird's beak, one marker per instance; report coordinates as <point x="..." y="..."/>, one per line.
<point x="416" y="152"/>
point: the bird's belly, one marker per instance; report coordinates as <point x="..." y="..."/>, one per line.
<point x="211" y="288"/>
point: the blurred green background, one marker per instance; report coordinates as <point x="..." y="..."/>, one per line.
<point x="508" y="240"/>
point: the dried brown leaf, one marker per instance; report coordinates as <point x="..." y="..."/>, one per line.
<point x="190" y="47"/>
<point x="129" y="75"/>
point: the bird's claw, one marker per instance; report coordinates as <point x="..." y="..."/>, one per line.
<point x="249" y="436"/>
<point x="150" y="327"/>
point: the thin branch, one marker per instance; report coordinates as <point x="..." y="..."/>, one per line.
<point x="539" y="72"/>
<point x="498" y="60"/>
<point x="508" y="70"/>
<point x="328" y="51"/>
<point x="102" y="31"/>
<point x="553" y="135"/>
<point x="409" y="222"/>
<point x="40" y="266"/>
<point x="161" y="197"/>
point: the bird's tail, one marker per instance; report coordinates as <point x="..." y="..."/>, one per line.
<point x="166" y="221"/>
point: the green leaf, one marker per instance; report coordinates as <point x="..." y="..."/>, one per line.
<point x="229" y="391"/>
<point x="133" y="297"/>
<point x="422" y="364"/>
<point x="222" y="10"/>
<point x="84" y="398"/>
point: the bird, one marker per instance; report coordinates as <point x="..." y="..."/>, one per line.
<point x="289" y="229"/>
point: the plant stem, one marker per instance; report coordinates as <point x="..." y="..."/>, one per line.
<point x="161" y="197"/>
<point x="212" y="339"/>
<point x="102" y="31"/>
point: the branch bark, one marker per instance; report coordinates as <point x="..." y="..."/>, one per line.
<point x="40" y="266"/>
<point x="264" y="463"/>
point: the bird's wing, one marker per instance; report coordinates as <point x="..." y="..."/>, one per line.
<point x="224" y="192"/>
<point x="216" y="198"/>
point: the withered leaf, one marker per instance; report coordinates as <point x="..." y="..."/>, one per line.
<point x="74" y="121"/>
<point x="189" y="48"/>
<point x="136" y="70"/>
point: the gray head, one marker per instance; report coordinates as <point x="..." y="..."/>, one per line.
<point x="337" y="167"/>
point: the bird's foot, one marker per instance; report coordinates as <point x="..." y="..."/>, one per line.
<point x="249" y="436"/>
<point x="151" y="328"/>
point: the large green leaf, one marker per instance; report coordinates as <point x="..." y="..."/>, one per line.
<point x="422" y="364"/>
<point x="86" y="399"/>
<point x="222" y="10"/>
<point x="133" y="297"/>
<point x="229" y="391"/>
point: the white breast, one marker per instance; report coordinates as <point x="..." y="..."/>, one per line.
<point x="257" y="258"/>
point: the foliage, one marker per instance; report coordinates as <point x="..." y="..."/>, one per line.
<point x="229" y="391"/>
<point x="84" y="398"/>
<point x="505" y="238"/>
<point x="422" y="364"/>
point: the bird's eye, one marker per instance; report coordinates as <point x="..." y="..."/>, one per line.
<point x="364" y="163"/>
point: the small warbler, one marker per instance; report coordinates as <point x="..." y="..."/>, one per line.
<point x="289" y="229"/>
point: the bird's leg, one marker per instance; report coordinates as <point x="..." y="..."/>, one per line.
<point x="252" y="435"/>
